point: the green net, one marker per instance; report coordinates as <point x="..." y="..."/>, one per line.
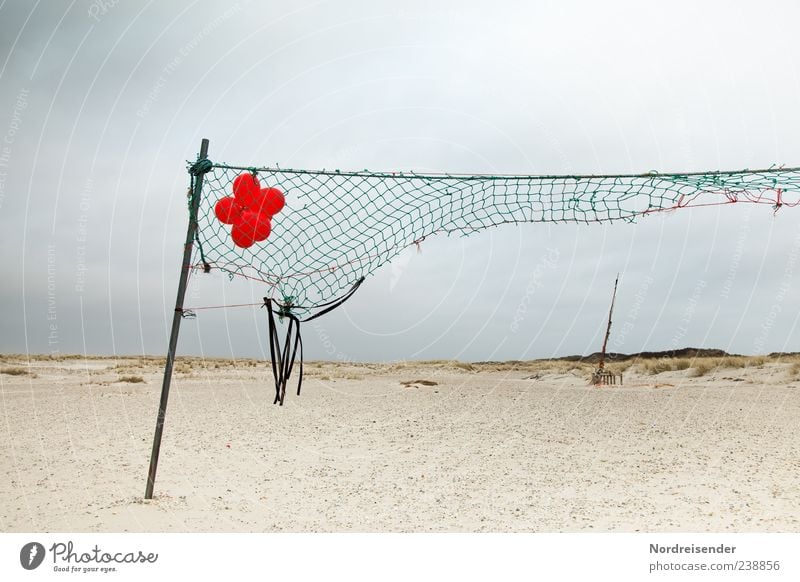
<point x="338" y="227"/>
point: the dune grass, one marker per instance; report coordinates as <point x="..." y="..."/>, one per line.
<point x="132" y="369"/>
<point x="702" y="366"/>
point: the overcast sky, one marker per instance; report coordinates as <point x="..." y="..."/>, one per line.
<point x="102" y="102"/>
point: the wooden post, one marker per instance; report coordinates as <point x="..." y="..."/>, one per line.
<point x="601" y="377"/>
<point x="608" y="328"/>
<point x="176" y="324"/>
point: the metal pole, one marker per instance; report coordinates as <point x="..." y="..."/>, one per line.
<point x="176" y="325"/>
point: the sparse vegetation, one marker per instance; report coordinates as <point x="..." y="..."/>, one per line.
<point x="340" y="370"/>
<point x="129" y="364"/>
<point x="658" y="366"/>
<point x="183" y="368"/>
<point x="619" y="367"/>
<point x="133" y="369"/>
<point x="702" y="368"/>
<point x="661" y="365"/>
<point x="132" y="379"/>
<point x="541" y="366"/>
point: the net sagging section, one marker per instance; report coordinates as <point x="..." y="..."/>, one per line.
<point x="338" y="227"/>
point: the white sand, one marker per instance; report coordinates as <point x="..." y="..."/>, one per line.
<point x="480" y="451"/>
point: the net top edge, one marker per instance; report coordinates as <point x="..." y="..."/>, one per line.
<point x="775" y="170"/>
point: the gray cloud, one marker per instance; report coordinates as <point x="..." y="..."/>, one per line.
<point x="92" y="215"/>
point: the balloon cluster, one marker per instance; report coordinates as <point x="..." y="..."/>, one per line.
<point x="249" y="210"/>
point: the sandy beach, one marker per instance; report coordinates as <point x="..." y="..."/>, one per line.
<point x="522" y="447"/>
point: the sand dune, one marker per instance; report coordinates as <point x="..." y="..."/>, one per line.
<point x="495" y="447"/>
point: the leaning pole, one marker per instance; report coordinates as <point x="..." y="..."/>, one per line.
<point x="198" y="173"/>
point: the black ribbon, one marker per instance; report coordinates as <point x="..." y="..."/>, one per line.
<point x="283" y="358"/>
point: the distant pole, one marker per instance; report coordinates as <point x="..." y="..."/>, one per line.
<point x="608" y="328"/>
<point x="176" y="324"/>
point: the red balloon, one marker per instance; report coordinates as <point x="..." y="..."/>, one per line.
<point x="246" y="189"/>
<point x="259" y="201"/>
<point x="254" y="225"/>
<point x="241" y="238"/>
<point x="274" y="201"/>
<point x="227" y="210"/>
<point x="263" y="227"/>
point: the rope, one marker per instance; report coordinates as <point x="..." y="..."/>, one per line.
<point x="224" y="306"/>
<point x="201" y="167"/>
<point x="283" y="358"/>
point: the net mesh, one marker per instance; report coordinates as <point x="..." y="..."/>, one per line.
<point x="338" y="227"/>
